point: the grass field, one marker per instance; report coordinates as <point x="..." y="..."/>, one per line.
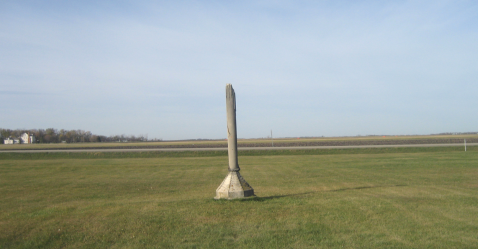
<point x="361" y="198"/>
<point x="294" y="141"/>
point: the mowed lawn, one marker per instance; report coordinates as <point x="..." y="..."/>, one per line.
<point x="385" y="200"/>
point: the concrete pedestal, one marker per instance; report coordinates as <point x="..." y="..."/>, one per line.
<point x="234" y="186"/>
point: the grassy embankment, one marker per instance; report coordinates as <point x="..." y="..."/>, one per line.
<point x="367" y="198"/>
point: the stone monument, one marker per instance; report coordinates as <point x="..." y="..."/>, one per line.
<point x="233" y="186"/>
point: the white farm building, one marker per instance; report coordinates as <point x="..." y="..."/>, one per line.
<point x="25" y="138"/>
<point x="11" y="141"/>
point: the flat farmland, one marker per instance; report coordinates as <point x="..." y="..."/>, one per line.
<point x="278" y="142"/>
<point x="361" y="198"/>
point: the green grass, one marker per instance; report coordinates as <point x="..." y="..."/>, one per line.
<point x="157" y="154"/>
<point x="368" y="198"/>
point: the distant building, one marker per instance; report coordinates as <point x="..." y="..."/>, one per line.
<point x="25" y="138"/>
<point x="8" y="141"/>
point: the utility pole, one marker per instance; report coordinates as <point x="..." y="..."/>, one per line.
<point x="272" y="139"/>
<point x="465" y="144"/>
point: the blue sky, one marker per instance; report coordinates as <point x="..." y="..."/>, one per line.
<point x="300" y="68"/>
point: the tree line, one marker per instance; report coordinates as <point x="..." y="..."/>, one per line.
<point x="52" y="135"/>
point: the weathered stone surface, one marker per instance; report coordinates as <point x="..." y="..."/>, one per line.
<point x="234" y="186"/>
<point x="231" y="128"/>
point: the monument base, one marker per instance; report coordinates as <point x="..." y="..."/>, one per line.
<point x="234" y="187"/>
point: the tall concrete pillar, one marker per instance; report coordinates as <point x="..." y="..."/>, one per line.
<point x="233" y="186"/>
<point x="231" y="128"/>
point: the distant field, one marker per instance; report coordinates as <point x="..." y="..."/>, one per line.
<point x="369" y="198"/>
<point x="328" y="141"/>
